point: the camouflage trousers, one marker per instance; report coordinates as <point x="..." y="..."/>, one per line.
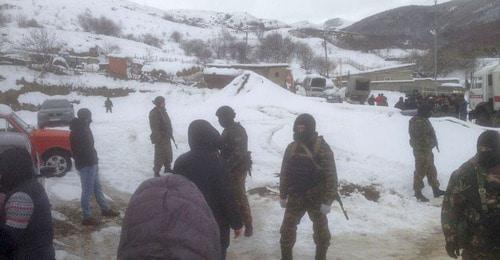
<point x="163" y="156"/>
<point x="296" y="208"/>
<point x="238" y="178"/>
<point x="424" y="167"/>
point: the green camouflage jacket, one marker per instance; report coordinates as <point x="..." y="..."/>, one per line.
<point x="161" y="127"/>
<point x="325" y="162"/>
<point x="234" y="147"/>
<point x="466" y="205"/>
<point x="422" y="135"/>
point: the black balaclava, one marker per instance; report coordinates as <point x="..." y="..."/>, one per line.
<point x="310" y="128"/>
<point x="424" y="110"/>
<point x="203" y="136"/>
<point x="158" y="100"/>
<point x="16" y="167"/>
<point x="226" y="116"/>
<point x="490" y="158"/>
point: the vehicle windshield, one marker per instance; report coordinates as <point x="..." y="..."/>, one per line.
<point x="55" y="104"/>
<point x="21" y="123"/>
<point x="318" y="83"/>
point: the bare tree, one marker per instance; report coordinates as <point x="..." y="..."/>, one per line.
<point x="3" y="19"/>
<point x="221" y="43"/>
<point x="109" y="48"/>
<point x="320" y="66"/>
<point x="43" y="44"/>
<point x="275" y="48"/>
<point x="197" y="48"/>
<point x="176" y="36"/>
<point x="305" y="55"/>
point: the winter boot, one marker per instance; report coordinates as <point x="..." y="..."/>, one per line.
<point x="90" y="222"/>
<point x="321" y="252"/>
<point x="110" y="213"/>
<point x="286" y="253"/>
<point x="420" y="197"/>
<point x="437" y="192"/>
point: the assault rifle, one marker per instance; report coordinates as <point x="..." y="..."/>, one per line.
<point x="341" y="205"/>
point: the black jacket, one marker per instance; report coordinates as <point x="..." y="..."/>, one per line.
<point x="82" y="144"/>
<point x="203" y="166"/>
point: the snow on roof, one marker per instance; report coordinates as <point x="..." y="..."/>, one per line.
<point x="452" y="85"/>
<point x="262" y="65"/>
<point x="222" y="71"/>
<point x="5" y="110"/>
<point x="488" y="69"/>
<point x="399" y="66"/>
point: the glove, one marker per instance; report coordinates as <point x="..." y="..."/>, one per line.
<point x="283" y="203"/>
<point x="452" y="249"/>
<point x="325" y="209"/>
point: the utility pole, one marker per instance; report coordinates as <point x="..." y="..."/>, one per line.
<point x="245" y="59"/>
<point x="327" y="64"/>
<point x="435" y="40"/>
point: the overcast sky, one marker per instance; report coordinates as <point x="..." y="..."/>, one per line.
<point x="290" y="11"/>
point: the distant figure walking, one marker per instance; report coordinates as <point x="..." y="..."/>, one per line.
<point x="109" y="105"/>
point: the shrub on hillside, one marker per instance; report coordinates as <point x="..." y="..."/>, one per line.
<point x="100" y="25"/>
<point x="176" y="37"/>
<point x="3" y="19"/>
<point x="197" y="48"/>
<point x="151" y="40"/>
<point x="23" y="22"/>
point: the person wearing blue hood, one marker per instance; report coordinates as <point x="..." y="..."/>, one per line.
<point x="86" y="162"/>
<point x="25" y="219"/>
<point x="203" y="166"/>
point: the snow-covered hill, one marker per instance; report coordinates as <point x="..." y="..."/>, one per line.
<point x="61" y="17"/>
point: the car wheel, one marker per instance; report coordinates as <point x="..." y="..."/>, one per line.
<point x="60" y="160"/>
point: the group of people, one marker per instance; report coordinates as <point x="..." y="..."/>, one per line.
<point x="380" y="100"/>
<point x="442" y="105"/>
<point x="189" y="213"/>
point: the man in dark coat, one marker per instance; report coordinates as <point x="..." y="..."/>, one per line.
<point x="25" y="218"/>
<point x="168" y="218"/>
<point x="203" y="166"/>
<point x="400" y="104"/>
<point x="109" y="105"/>
<point x="86" y="162"/>
<point x="470" y="214"/>
<point x="161" y="134"/>
<point x="234" y="152"/>
<point x="371" y="100"/>
<point x="308" y="183"/>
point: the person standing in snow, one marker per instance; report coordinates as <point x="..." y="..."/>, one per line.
<point x="203" y="166"/>
<point x="168" y="218"/>
<point x="237" y="160"/>
<point x="308" y="183"/>
<point x="161" y="134"/>
<point x="470" y="214"/>
<point x="109" y="105"/>
<point x="371" y="100"/>
<point x="25" y="218"/>
<point x="400" y="104"/>
<point x="86" y="162"/>
<point x="423" y="140"/>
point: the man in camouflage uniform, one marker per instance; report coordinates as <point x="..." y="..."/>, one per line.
<point x="308" y="183"/>
<point x="470" y="214"/>
<point x="423" y="140"/>
<point x="234" y="152"/>
<point x="161" y="133"/>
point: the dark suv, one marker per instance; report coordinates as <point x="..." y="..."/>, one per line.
<point x="55" y="112"/>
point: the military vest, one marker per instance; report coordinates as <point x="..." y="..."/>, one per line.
<point x="302" y="170"/>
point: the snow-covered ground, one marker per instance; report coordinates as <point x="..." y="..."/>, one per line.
<point x="370" y="145"/>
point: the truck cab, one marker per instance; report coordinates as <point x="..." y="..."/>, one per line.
<point x="358" y="89"/>
<point x="51" y="145"/>
<point x="484" y="95"/>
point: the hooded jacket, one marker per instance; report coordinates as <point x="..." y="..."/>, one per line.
<point x="168" y="218"/>
<point x="203" y="166"/>
<point x="25" y="219"/>
<point x="82" y="144"/>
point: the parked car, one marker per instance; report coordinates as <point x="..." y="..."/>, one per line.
<point x="10" y="140"/>
<point x="55" y="112"/>
<point x="51" y="145"/>
<point x="315" y="85"/>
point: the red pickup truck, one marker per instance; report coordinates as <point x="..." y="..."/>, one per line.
<point x="52" y="145"/>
